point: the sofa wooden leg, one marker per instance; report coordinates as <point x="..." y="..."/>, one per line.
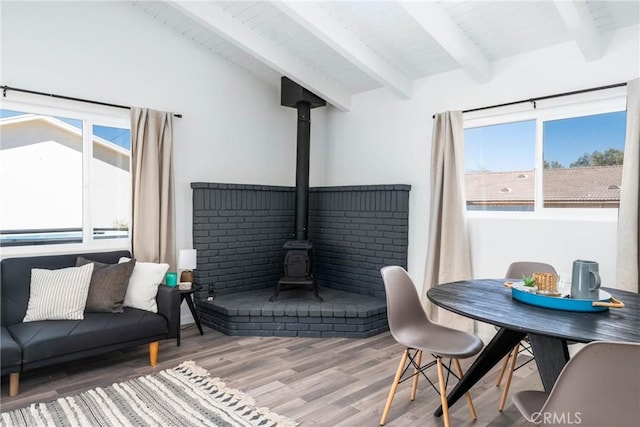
<point x="14" y="381"/>
<point x="153" y="353"/>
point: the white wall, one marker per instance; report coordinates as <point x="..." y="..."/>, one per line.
<point x="233" y="127"/>
<point x="385" y="140"/>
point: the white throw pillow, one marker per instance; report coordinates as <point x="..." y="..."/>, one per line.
<point x="143" y="285"/>
<point x="58" y="294"/>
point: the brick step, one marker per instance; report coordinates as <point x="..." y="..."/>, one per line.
<point x="295" y="313"/>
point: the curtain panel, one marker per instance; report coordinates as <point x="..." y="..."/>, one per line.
<point x="153" y="223"/>
<point x="627" y="268"/>
<point x="448" y="253"/>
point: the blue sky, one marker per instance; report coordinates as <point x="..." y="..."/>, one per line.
<point x="511" y="146"/>
<point x="121" y="137"/>
<point x="118" y="136"/>
<point x="500" y="148"/>
<point x="568" y="139"/>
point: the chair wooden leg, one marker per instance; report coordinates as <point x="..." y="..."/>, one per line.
<point x="394" y="386"/>
<point x="505" y="363"/>
<point x="443" y="393"/>
<point x="474" y="415"/>
<point x="14" y="382"/>
<point x="414" y="388"/>
<point x="514" y="357"/>
<point x="153" y="353"/>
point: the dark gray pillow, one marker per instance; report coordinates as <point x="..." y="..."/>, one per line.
<point x="108" y="285"/>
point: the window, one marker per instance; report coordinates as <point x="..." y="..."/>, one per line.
<point x="499" y="165"/>
<point x="560" y="157"/>
<point x="583" y="160"/>
<point x="65" y="177"/>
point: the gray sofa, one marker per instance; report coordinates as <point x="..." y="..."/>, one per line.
<point x="30" y="345"/>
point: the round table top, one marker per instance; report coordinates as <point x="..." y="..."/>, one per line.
<point x="194" y="288"/>
<point x="488" y="300"/>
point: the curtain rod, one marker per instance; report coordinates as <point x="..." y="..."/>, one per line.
<point x="540" y="98"/>
<point x="70" y="98"/>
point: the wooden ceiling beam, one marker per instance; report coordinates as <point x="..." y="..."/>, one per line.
<point x="582" y="27"/>
<point x="218" y="21"/>
<point x="436" y="22"/>
<point x="315" y="19"/>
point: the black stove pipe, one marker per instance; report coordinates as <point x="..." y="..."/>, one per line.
<point x="295" y="96"/>
<point x="302" y="170"/>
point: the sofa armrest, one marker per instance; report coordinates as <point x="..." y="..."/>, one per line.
<point x="168" y="300"/>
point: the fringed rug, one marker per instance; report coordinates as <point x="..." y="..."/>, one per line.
<point x="183" y="396"/>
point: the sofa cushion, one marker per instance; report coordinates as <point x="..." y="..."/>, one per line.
<point x="143" y="285"/>
<point x="52" y="338"/>
<point x="15" y="277"/>
<point x="58" y="294"/>
<point x="10" y="353"/>
<point x="108" y="285"/>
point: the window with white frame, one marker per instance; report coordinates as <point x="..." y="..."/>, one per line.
<point x="567" y="156"/>
<point x="65" y="177"/>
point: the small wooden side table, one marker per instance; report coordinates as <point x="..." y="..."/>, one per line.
<point x="187" y="295"/>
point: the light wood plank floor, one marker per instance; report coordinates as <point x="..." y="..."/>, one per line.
<point x="319" y="382"/>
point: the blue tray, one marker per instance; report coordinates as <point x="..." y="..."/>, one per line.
<point x="566" y="304"/>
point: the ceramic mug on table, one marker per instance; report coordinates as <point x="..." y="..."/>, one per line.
<point x="585" y="280"/>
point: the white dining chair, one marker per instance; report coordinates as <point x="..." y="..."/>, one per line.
<point x="410" y="326"/>
<point x="515" y="271"/>
<point x="599" y="386"/>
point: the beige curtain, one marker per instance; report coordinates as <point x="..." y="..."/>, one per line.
<point x="628" y="233"/>
<point x="448" y="255"/>
<point x="153" y="223"/>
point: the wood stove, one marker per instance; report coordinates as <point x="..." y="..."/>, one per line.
<point x="298" y="259"/>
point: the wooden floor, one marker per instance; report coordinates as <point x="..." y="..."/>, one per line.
<point x="319" y="382"/>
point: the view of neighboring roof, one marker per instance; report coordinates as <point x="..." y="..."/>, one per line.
<point x="60" y="124"/>
<point x="500" y="186"/>
<point x="589" y="184"/>
<point x="584" y="183"/>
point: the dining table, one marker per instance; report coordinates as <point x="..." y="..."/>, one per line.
<point x="549" y="330"/>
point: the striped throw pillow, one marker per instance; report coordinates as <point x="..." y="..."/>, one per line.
<point x="58" y="294"/>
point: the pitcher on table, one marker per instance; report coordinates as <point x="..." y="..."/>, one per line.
<point x="585" y="281"/>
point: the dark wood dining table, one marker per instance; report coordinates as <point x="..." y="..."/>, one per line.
<point x="489" y="301"/>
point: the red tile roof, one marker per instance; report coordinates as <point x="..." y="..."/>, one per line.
<point x="588" y="184"/>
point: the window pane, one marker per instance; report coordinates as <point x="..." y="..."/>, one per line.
<point x="41" y="179"/>
<point x="583" y="161"/>
<point x="111" y="182"/>
<point x="499" y="166"/>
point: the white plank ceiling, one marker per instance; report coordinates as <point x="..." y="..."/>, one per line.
<point x="339" y="48"/>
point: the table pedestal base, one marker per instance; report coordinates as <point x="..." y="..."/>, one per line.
<point x="551" y="355"/>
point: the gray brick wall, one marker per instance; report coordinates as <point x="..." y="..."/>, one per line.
<point x="239" y="231"/>
<point x="356" y="230"/>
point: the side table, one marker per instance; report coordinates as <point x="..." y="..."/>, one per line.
<point x="187" y="295"/>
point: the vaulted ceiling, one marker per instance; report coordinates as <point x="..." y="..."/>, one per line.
<point x="340" y="48"/>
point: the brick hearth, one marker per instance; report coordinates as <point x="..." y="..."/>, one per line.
<point x="239" y="231"/>
<point x="296" y="313"/>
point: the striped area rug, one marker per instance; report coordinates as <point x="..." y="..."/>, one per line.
<point x="183" y="396"/>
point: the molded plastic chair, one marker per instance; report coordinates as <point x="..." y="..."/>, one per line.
<point x="590" y="391"/>
<point x="411" y="327"/>
<point x="515" y="271"/>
